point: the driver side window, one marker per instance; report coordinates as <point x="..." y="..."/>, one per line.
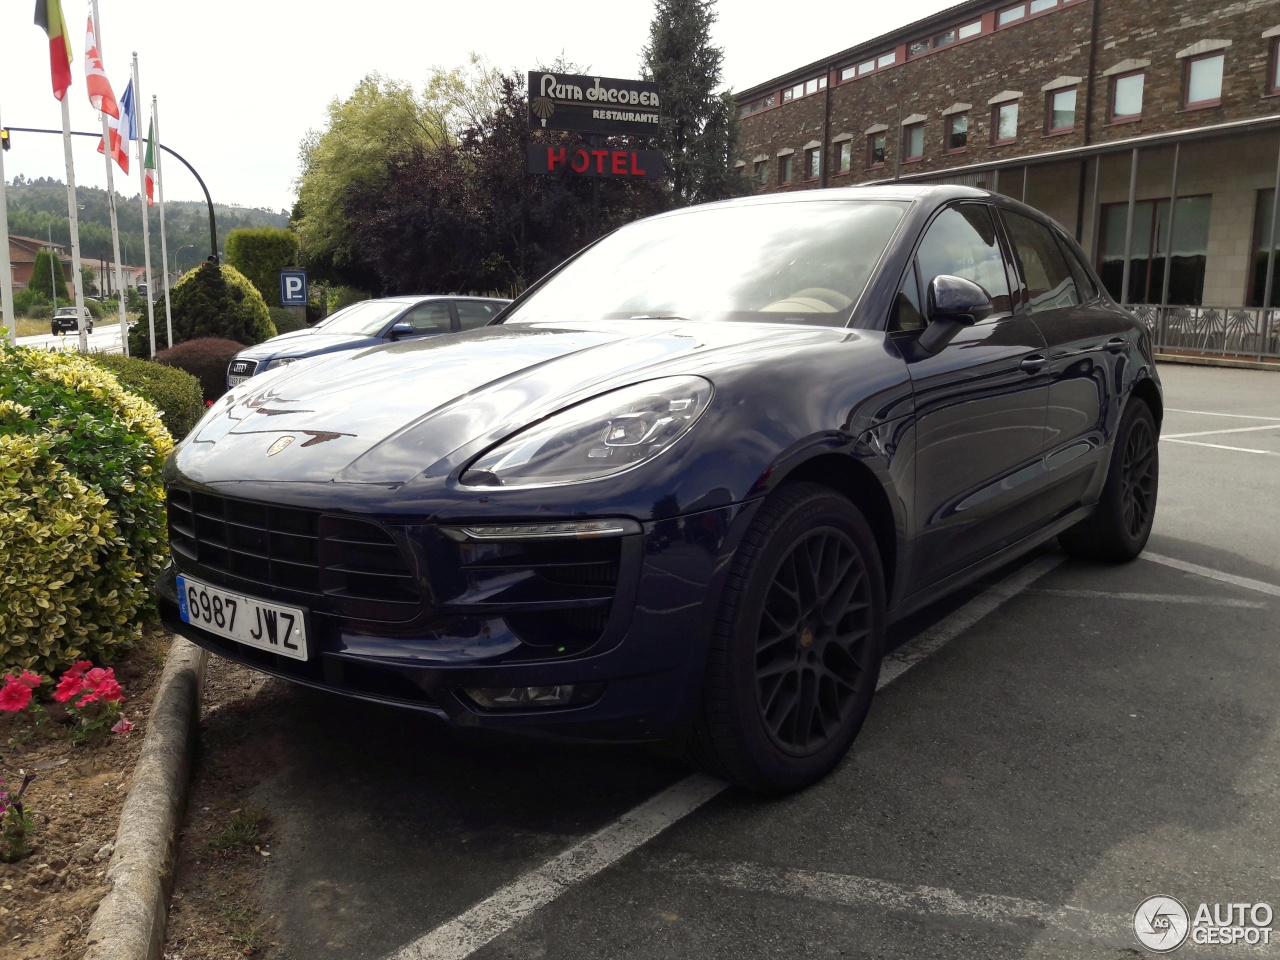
<point x="962" y="242"/>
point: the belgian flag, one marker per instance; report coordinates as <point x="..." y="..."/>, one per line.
<point x="49" y="18"/>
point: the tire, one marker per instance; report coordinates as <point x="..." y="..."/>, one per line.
<point x="1118" y="528"/>
<point x="789" y="680"/>
<point x="53" y="330"/>
<point x="89" y="328"/>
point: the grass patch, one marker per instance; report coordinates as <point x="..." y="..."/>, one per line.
<point x="242" y="832"/>
<point x="26" y="327"/>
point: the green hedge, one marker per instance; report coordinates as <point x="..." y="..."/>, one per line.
<point x="209" y="301"/>
<point x="82" y="534"/>
<point x="260" y="254"/>
<point x="286" y="319"/>
<point x="174" y="393"/>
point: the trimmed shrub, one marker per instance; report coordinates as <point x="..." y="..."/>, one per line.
<point x="213" y="301"/>
<point x="176" y="394"/>
<point x="205" y="359"/>
<point x="286" y="319"/>
<point x="75" y="571"/>
<point x="260" y="254"/>
<point x="95" y="309"/>
<point x="25" y="299"/>
<point x="39" y="311"/>
<point x="43" y="283"/>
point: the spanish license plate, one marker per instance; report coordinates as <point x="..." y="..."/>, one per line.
<point x="236" y="381"/>
<point x="268" y="626"/>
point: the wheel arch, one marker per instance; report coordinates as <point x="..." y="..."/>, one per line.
<point x="856" y="481"/>
<point x="1147" y="391"/>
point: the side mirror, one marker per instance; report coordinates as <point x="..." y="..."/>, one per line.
<point x="401" y="330"/>
<point x="954" y="302"/>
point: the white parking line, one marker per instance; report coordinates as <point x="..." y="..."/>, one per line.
<point x="507" y="906"/>
<point x="1259" y="586"/>
<point x="1210" y="413"/>
<point x="1152" y="598"/>
<point x="1222" y="446"/>
<point x="1214" y="433"/>
<point x="845" y="890"/>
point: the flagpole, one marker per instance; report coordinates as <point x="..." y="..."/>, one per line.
<point x="164" y="249"/>
<point x="6" y="269"/>
<point x="74" y="215"/>
<point x="111" y="207"/>
<point x="146" y="233"/>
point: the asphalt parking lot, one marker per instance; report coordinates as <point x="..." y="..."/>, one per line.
<point x="1047" y="750"/>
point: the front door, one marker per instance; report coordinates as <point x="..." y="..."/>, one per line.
<point x="980" y="408"/>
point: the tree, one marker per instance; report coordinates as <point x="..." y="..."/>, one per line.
<point x="47" y="277"/>
<point x="260" y="255"/>
<point x="210" y="301"/>
<point x="382" y="119"/>
<point x="699" y="124"/>
<point x="89" y="276"/>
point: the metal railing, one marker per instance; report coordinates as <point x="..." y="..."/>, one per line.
<point x="1240" y="332"/>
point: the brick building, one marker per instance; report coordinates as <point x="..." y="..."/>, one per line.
<point x="22" y="257"/>
<point x="1095" y="111"/>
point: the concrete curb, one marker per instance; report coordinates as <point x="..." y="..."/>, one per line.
<point x="129" y="923"/>
<point x="1215" y="362"/>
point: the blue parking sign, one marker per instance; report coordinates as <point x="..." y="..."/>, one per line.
<point x="293" y="288"/>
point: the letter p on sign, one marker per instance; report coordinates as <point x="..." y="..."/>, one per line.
<point x="293" y="288"/>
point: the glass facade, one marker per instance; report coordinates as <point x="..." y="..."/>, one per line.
<point x="1262" y="239"/>
<point x="1150" y="244"/>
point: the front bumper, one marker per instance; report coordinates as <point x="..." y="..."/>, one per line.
<point x="626" y="620"/>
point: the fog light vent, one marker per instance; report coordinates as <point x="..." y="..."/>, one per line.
<point x="534" y="698"/>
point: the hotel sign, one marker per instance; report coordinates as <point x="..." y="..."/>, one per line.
<point x="602" y="105"/>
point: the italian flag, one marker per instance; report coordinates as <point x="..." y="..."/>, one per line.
<point x="49" y="18"/>
<point x="149" y="165"/>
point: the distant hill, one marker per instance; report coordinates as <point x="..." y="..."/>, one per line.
<point x="36" y="206"/>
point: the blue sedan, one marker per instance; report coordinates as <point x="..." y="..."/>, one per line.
<point x="366" y="324"/>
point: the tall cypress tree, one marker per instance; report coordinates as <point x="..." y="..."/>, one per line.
<point x="45" y="281"/>
<point x="699" y="125"/>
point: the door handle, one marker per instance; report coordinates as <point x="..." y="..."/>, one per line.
<point x="1117" y="344"/>
<point x="1033" y="364"/>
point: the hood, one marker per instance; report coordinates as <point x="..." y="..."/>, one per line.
<point x="389" y="413"/>
<point x="305" y="343"/>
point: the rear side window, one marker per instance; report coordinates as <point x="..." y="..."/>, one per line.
<point x="961" y="242"/>
<point x="1084" y="283"/>
<point x="474" y="313"/>
<point x="1049" y="281"/>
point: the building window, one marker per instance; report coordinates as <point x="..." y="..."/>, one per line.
<point x="1273" y="80"/>
<point x="1039" y="6"/>
<point x="913" y="141"/>
<point x="917" y="48"/>
<point x="887" y="59"/>
<point x="784" y="169"/>
<point x="1126" y="96"/>
<point x="1011" y="15"/>
<point x="813" y="163"/>
<point x="875" y="150"/>
<point x="761" y="172"/>
<point x="1204" y="81"/>
<point x="845" y="163"/>
<point x="1061" y="114"/>
<point x="971" y="30"/>
<point x="1261" y="241"/>
<point x="813" y="86"/>
<point x="1004" y="124"/>
<point x="1150" y="243"/>
<point x="957" y="132"/>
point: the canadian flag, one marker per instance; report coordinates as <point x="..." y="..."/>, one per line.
<point x="95" y="75"/>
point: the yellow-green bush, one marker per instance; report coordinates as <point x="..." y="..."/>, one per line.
<point x="82" y="521"/>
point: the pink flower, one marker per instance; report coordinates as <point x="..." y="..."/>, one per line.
<point x="122" y="726"/>
<point x="78" y="668"/>
<point x="69" y="687"/>
<point x="14" y="696"/>
<point x="31" y="680"/>
<point x="96" y="676"/>
<point x="107" y="691"/>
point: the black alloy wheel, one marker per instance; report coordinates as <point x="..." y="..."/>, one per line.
<point x="796" y="651"/>
<point x="1120" y="525"/>
<point x="815" y="625"/>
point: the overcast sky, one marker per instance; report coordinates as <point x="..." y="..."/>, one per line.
<point x="240" y="82"/>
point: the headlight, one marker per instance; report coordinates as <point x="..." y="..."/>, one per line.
<point x="598" y="438"/>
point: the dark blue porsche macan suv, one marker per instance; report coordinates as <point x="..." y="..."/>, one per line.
<point x="676" y="491"/>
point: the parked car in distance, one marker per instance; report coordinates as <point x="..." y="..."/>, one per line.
<point x="678" y="490"/>
<point x="366" y="324"/>
<point x="64" y="319"/>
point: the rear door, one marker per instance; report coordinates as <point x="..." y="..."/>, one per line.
<point x="429" y="318"/>
<point x="473" y="314"/>
<point x="980" y="404"/>
<point x="1086" y="339"/>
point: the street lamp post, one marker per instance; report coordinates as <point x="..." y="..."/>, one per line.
<point x="177" y="257"/>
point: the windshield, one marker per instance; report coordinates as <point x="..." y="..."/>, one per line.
<point x="804" y="262"/>
<point x="367" y="318"/>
